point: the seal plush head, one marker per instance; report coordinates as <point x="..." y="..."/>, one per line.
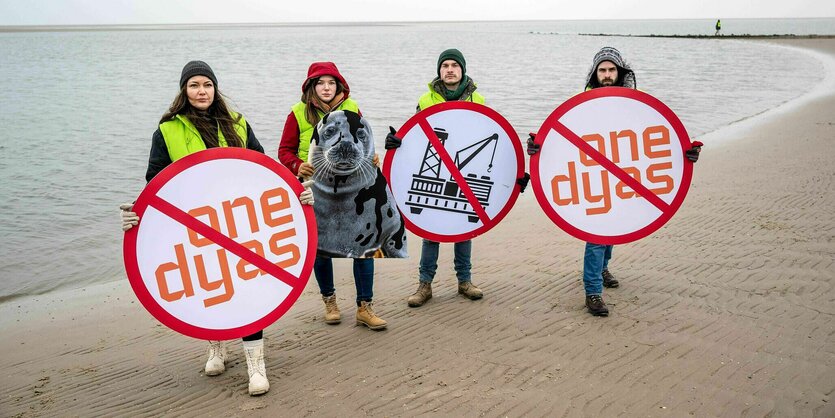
<point x="343" y="144"/>
<point x="355" y="211"/>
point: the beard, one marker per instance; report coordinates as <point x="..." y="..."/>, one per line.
<point x="606" y="82"/>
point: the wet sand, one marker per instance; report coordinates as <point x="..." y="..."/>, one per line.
<point x="726" y="311"/>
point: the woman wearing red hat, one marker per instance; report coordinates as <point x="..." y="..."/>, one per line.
<point x="323" y="91"/>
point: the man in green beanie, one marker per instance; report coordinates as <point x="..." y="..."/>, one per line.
<point x="451" y="84"/>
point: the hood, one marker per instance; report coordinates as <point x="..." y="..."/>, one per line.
<point x="318" y="69"/>
<point x="625" y="73"/>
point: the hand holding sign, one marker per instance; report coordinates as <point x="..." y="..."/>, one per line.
<point x="611" y="166"/>
<point x="224" y="248"/>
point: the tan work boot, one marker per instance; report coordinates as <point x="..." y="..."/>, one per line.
<point x="470" y="290"/>
<point x="332" y="314"/>
<point x="216" y="364"/>
<point x="258" y="383"/>
<point x="367" y="317"/>
<point x="421" y="296"/>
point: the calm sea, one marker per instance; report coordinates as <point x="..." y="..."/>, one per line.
<point x="79" y="108"/>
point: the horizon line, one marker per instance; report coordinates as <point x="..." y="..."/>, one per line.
<point x="82" y="26"/>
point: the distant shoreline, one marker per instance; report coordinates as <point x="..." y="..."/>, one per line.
<point x="259" y="25"/>
<point x="743" y="36"/>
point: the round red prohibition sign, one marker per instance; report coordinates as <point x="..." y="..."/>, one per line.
<point x="611" y="168"/>
<point x="224" y="247"/>
<point x="454" y="175"/>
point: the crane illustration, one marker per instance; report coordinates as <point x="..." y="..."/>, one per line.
<point x="430" y="191"/>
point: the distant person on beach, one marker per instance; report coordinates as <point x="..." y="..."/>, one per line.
<point x="199" y="119"/>
<point x="718" y="27"/>
<point x="608" y="69"/>
<point x="451" y="84"/>
<point x="323" y="91"/>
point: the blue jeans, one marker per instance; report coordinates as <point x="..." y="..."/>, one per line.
<point x="595" y="261"/>
<point x="363" y="277"/>
<point x="429" y="260"/>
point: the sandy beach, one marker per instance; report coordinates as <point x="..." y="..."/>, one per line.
<point x="728" y="310"/>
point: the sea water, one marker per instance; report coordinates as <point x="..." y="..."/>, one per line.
<point x="78" y="107"/>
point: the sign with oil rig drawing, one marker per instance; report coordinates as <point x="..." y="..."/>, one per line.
<point x="454" y="176"/>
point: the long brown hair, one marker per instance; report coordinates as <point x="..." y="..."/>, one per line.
<point x="207" y="122"/>
<point x="313" y="104"/>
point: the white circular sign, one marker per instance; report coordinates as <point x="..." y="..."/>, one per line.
<point x="224" y="246"/>
<point x="611" y="168"/>
<point x="454" y="175"/>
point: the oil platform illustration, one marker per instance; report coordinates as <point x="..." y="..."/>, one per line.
<point x="430" y="191"/>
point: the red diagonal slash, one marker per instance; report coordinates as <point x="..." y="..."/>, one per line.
<point x="456" y="174"/>
<point x="227" y="243"/>
<point x="610" y="166"/>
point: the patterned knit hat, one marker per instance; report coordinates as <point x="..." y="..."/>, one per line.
<point x="625" y="73"/>
<point x="194" y="68"/>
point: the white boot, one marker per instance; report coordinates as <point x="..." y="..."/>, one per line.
<point x="258" y="383"/>
<point x="215" y="365"/>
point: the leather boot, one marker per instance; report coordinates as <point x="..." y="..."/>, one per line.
<point x="367" y="317"/>
<point x="609" y="280"/>
<point x="332" y="314"/>
<point x="597" y="306"/>
<point x="470" y="290"/>
<point x="216" y="364"/>
<point x="258" y="383"/>
<point x="421" y="296"/>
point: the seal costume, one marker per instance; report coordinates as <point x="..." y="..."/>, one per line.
<point x="355" y="211"/>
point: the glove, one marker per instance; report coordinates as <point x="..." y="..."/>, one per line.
<point x="533" y="147"/>
<point x="523" y="182"/>
<point x="306" y="197"/>
<point x="693" y="153"/>
<point x="129" y="218"/>
<point x="392" y="141"/>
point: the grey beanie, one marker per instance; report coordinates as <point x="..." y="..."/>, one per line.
<point x="194" y="68"/>
<point x="607" y="53"/>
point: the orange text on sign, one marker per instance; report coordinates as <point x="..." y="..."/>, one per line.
<point x="619" y="146"/>
<point x="273" y="207"/>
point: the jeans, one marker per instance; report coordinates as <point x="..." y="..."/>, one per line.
<point x="363" y="277"/>
<point x="429" y="260"/>
<point x="595" y="261"/>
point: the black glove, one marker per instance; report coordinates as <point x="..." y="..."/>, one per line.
<point x="392" y="141"/>
<point x="523" y="182"/>
<point x="533" y="147"/>
<point x="693" y="153"/>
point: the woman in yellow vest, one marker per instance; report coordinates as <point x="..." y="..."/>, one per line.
<point x="325" y="90"/>
<point x="199" y="119"/>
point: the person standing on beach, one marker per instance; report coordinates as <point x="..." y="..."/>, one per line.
<point x="451" y="83"/>
<point x="608" y="69"/>
<point x="199" y="119"/>
<point x="323" y="91"/>
<point x="718" y="27"/>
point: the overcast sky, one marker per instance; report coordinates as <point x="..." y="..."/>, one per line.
<point x="97" y="12"/>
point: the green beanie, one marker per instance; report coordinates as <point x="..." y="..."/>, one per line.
<point x="455" y="55"/>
